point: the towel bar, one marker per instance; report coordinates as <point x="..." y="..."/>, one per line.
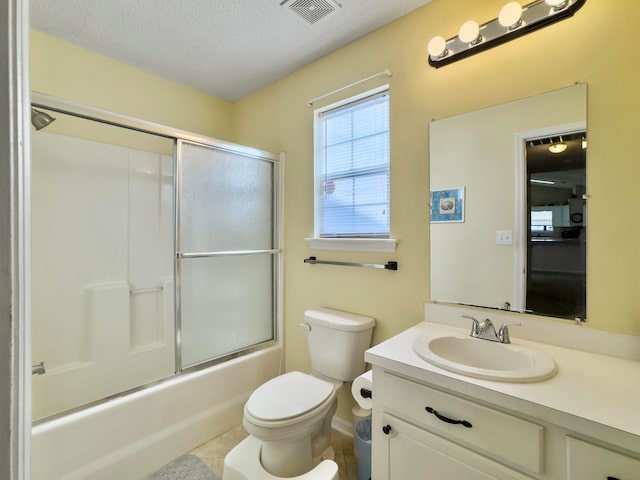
<point x="387" y="266"/>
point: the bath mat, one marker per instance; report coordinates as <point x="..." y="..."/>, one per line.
<point x="186" y="467"/>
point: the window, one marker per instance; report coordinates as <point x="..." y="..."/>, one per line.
<point x="542" y="221"/>
<point x="352" y="168"/>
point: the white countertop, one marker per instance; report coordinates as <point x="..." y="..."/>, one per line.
<point x="589" y="386"/>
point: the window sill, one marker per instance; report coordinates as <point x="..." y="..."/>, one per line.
<point x="387" y="245"/>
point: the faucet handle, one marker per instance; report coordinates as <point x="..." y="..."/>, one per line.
<point x="503" y="333"/>
<point x="476" y="328"/>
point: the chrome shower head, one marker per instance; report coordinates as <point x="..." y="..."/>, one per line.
<point x="40" y="119"/>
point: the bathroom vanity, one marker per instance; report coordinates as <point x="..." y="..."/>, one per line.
<point x="580" y="424"/>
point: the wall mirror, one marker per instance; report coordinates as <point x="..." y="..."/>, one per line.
<point x="508" y="206"/>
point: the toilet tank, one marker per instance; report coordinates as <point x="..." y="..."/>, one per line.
<point x="337" y="342"/>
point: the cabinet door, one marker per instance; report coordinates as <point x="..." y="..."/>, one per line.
<point x="492" y="433"/>
<point x="413" y="453"/>
<point x="591" y="462"/>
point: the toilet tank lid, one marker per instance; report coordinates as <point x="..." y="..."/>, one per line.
<point x="338" y="320"/>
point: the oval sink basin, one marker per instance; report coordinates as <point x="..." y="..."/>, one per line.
<point x="479" y="358"/>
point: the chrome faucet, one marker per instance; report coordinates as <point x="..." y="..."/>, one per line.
<point x="486" y="331"/>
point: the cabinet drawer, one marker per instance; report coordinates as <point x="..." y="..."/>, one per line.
<point x="586" y="461"/>
<point x="490" y="431"/>
<point x="412" y="452"/>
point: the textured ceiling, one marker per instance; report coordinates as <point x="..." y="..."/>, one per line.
<point x="228" y="48"/>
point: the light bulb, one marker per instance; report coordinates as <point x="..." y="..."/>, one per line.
<point x="437" y="47"/>
<point x="557" y="4"/>
<point x="469" y="32"/>
<point x="510" y="15"/>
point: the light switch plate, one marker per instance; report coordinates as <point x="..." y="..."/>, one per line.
<point x="504" y="237"/>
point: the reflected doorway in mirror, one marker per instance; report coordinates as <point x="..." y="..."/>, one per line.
<point x="554" y="208"/>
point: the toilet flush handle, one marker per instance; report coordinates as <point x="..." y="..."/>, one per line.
<point x="306" y="325"/>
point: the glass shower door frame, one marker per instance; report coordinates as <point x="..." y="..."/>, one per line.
<point x="275" y="252"/>
<point x="78" y="110"/>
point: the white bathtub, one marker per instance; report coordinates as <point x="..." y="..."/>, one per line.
<point x="131" y="436"/>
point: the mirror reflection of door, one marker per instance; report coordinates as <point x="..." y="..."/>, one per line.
<point x="556" y="237"/>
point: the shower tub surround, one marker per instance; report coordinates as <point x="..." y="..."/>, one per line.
<point x="133" y="285"/>
<point x="134" y="435"/>
<point x="119" y="231"/>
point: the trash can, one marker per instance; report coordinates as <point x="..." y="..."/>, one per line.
<point x="362" y="447"/>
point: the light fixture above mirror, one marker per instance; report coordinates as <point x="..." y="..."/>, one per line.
<point x="513" y="21"/>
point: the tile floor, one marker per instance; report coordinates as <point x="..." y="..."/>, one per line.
<point x="213" y="452"/>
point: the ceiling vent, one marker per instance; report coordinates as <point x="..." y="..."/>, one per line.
<point x="312" y="10"/>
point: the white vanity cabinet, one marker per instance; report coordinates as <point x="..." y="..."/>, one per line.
<point x="427" y="433"/>
<point x="586" y="461"/>
<point x="431" y="424"/>
<point x="420" y="431"/>
<point x="409" y="452"/>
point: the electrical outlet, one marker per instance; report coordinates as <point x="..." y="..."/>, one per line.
<point x="504" y="237"/>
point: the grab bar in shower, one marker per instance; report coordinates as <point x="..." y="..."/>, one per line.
<point x="138" y="291"/>
<point x="387" y="266"/>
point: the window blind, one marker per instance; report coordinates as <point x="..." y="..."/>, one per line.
<point x="352" y="169"/>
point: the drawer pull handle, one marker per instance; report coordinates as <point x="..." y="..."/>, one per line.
<point x="386" y="429"/>
<point x="464" y="423"/>
<point x="613" y="478"/>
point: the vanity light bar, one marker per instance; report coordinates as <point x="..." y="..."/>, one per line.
<point x="512" y="22"/>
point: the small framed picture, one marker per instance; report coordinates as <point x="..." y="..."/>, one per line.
<point x="447" y="205"/>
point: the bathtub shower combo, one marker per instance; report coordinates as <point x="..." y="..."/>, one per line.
<point x="155" y="264"/>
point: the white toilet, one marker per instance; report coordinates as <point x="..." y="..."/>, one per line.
<point x="289" y="417"/>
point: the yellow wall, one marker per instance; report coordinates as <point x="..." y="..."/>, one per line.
<point x="64" y="70"/>
<point x="595" y="46"/>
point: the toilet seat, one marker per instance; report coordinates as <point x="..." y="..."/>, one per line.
<point x="289" y="399"/>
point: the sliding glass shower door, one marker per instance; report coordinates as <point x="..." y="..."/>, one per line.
<point x="153" y="250"/>
<point x="226" y="252"/>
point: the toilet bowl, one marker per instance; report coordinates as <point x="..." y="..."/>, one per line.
<point x="289" y="417"/>
<point x="291" y="414"/>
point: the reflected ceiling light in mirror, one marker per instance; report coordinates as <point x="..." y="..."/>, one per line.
<point x="557" y="147"/>
<point x="514" y="20"/>
<point x="542" y="182"/>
